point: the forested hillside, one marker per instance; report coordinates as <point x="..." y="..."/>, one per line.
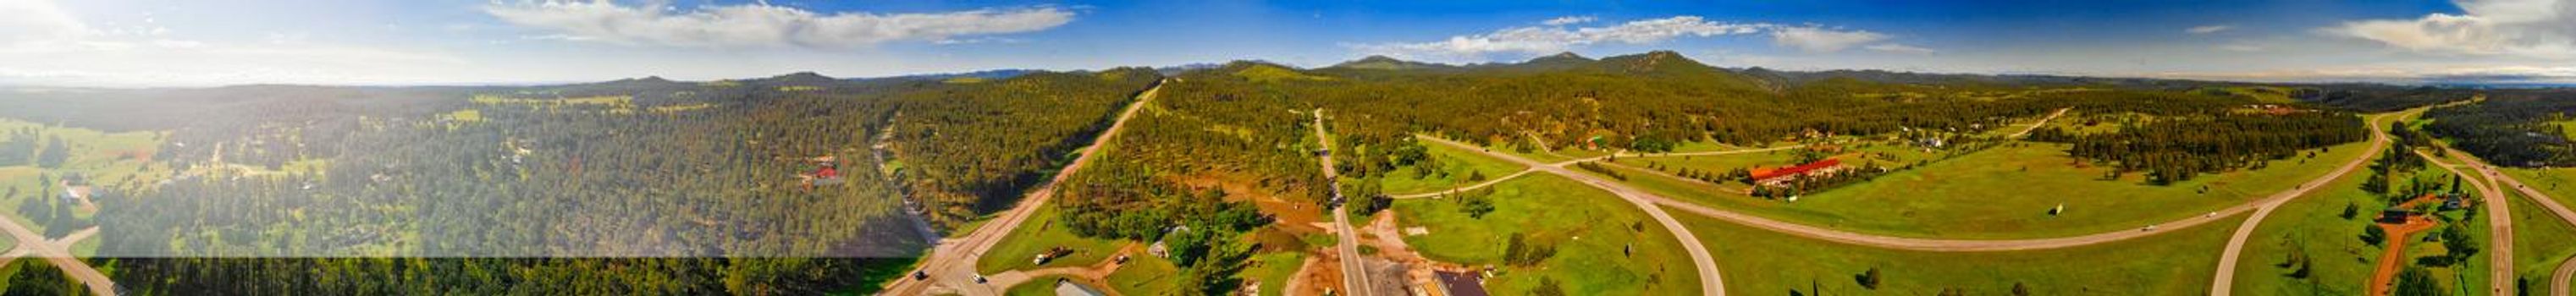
<point x="630" y="168"/>
<point x="973" y="148"/>
<point x="668" y="172"/>
<point x="2511" y="127"/>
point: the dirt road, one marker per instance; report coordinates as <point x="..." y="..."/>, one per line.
<point x="951" y="265"/>
<point x="2043" y="121"/>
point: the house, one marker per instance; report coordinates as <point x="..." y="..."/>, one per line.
<point x="1458" y="283"/>
<point x="2394" y="215"/>
<point x="2454" y="201"/>
<point x="1772" y="176"/>
<point x="1065" y="287"/>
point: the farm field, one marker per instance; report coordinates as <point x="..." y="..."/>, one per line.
<point x="1602" y="245"/>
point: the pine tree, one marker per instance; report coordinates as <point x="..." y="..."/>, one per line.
<point x="54" y="154"/>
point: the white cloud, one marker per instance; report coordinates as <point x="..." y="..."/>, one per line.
<point x="763" y="25"/>
<point x="1541" y="40"/>
<point x="1550" y="39"/>
<point x="1568" y="20"/>
<point x="47" y="46"/>
<point x="1820" y="39"/>
<point x="2209" y="29"/>
<point x="2531" y="28"/>
<point x="37" y="21"/>
<point x="2396" y="74"/>
<point x="1899" y="48"/>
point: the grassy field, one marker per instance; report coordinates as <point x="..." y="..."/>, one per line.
<point x="1589" y="229"/>
<point x="1885" y="155"/>
<point x="1145" y="275"/>
<point x="1455" y="168"/>
<point x="106" y="159"/>
<point x="1037" y="235"/>
<point x="2341" y="263"/>
<point x="2462" y="278"/>
<point x="1274" y="270"/>
<point x="2006" y="192"/>
<point x="2540" y="242"/>
<point x="1036" y="286"/>
<point x="2559" y="183"/>
<point x="1990" y="195"/>
<point x="2539" y="252"/>
<point x="1771" y="263"/>
<point x="1545" y="156"/>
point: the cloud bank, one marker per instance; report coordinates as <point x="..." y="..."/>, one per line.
<point x="763" y="25"/>
<point x="2529" y="28"/>
<point x="1568" y="20"/>
<point x="1555" y="36"/>
<point x="1818" y="39"/>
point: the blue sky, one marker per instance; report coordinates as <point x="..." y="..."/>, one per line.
<point x="200" y="43"/>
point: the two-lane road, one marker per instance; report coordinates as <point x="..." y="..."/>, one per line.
<point x="2223" y="282"/>
<point x="1709" y="281"/>
<point x="56" y="253"/>
<point x="1354" y="269"/>
<point x="951" y="265"/>
<point x="2566" y="272"/>
<point x="2499" y="225"/>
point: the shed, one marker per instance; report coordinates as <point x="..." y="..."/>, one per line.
<point x="2394" y="215"/>
<point x="1455" y="283"/>
<point x="1065" y="287"/>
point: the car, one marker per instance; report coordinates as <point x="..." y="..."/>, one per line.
<point x="979" y="279"/>
<point x="919" y="275"/>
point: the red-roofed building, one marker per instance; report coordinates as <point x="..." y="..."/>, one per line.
<point x="1784" y="173"/>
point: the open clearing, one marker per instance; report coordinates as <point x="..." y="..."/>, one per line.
<point x="1591" y="230"/>
<point x="1880" y="154"/>
<point x="2006" y="192"/>
<point x="2540" y="242"/>
<point x="1456" y="167"/>
<point x="2341" y="263"/>
<point x="2169" y="264"/>
<point x="105" y="159"/>
<point x="1024" y="243"/>
<point x="2559" y="183"/>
